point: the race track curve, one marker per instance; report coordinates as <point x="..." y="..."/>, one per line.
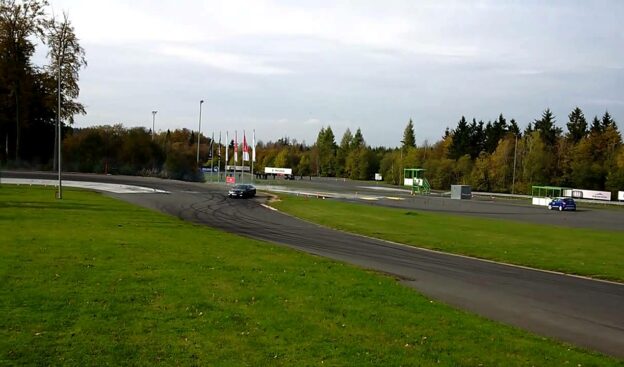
<point x="580" y="311"/>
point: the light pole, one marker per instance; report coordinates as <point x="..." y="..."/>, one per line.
<point x="199" y="130"/>
<point x="513" y="182"/>
<point x="153" y="122"/>
<point x="59" y="193"/>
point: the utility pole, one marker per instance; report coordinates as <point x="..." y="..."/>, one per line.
<point x="513" y="183"/>
<point x="199" y="130"/>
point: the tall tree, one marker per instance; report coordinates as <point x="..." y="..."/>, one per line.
<point x="409" y="139"/>
<point x="577" y="125"/>
<point x="461" y="140"/>
<point x="608" y="121"/>
<point x="546" y="126"/>
<point x="21" y="23"/>
<point x="358" y="140"/>
<point x="596" y="126"/>
<point x="343" y="152"/>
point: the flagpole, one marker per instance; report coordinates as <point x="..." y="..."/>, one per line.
<point x="243" y="160"/>
<point x="227" y="152"/>
<point x="253" y="154"/>
<point x="219" y="164"/>
<point x="212" y="157"/>
<point x="235" y="152"/>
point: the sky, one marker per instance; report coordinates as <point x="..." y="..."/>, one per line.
<point x="288" y="68"/>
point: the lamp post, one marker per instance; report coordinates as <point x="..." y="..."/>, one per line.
<point x="513" y="181"/>
<point x="199" y="129"/>
<point x="153" y="122"/>
<point x="59" y="193"/>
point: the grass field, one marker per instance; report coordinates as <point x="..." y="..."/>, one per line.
<point x="594" y="253"/>
<point x="93" y="281"/>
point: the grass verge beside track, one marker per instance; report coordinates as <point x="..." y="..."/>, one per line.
<point x="593" y="253"/>
<point x="94" y="281"/>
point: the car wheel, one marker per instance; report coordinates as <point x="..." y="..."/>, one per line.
<point x="549" y="207"/>
<point x="560" y="208"/>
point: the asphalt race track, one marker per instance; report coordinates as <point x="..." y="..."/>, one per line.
<point x="584" y="312"/>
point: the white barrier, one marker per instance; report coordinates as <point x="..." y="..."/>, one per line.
<point x="541" y="201"/>
<point x="588" y="194"/>
<point x="621" y="195"/>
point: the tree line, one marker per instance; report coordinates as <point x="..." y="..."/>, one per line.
<point x="494" y="156"/>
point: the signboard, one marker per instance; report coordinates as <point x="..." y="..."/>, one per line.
<point x="588" y="194"/>
<point x="237" y="168"/>
<point x="278" y="171"/>
<point x="230" y="179"/>
<point x="207" y="169"/>
<point x="378" y="177"/>
<point x="621" y="195"/>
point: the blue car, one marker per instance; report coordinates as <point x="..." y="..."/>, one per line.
<point x="562" y="204"/>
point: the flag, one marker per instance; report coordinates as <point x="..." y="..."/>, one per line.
<point x="227" y="147"/>
<point x="211" y="148"/>
<point x="235" y="147"/>
<point x="219" y="146"/>
<point x="245" y="148"/>
<point x="253" y="147"/>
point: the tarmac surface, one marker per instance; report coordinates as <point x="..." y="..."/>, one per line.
<point x="584" y="312"/>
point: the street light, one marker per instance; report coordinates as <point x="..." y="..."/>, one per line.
<point x="153" y="122"/>
<point x="199" y="130"/>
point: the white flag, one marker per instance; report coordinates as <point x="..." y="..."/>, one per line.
<point x="227" y="147"/>
<point x="235" y="147"/>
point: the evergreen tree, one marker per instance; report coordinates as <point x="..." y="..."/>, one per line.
<point x="358" y="140"/>
<point x="513" y="128"/>
<point x="596" y="126"/>
<point x="577" y="125"/>
<point x="409" y="139"/>
<point x="477" y="138"/>
<point x="494" y="133"/>
<point x="546" y="126"/>
<point x="607" y="121"/>
<point x="461" y="140"/>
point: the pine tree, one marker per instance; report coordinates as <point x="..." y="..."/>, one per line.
<point x="577" y="125"/>
<point x="409" y="139"/>
<point x="358" y="140"/>
<point x="607" y="121"/>
<point x="596" y="126"/>
<point x="461" y="140"/>
<point x="546" y="126"/>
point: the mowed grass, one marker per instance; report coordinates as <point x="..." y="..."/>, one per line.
<point x="93" y="281"/>
<point x="593" y="253"/>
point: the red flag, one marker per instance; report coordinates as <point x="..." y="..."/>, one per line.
<point x="245" y="148"/>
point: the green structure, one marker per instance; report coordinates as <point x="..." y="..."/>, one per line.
<point x="543" y="194"/>
<point x="415" y="178"/>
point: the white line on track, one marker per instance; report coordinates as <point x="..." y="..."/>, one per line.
<point x="98" y="186"/>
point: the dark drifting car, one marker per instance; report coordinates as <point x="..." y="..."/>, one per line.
<point x="242" y="191"/>
<point x="562" y="204"/>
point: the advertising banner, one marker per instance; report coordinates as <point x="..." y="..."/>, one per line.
<point x="230" y="180"/>
<point x="588" y="194"/>
<point x="621" y="195"/>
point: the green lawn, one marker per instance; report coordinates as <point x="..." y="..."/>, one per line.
<point x="593" y="253"/>
<point x="93" y="281"/>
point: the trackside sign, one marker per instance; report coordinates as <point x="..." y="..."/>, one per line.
<point x="588" y="194"/>
<point x="278" y="171"/>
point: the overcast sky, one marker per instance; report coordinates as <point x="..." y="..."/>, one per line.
<point x="287" y="68"/>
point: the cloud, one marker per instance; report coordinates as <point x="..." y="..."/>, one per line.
<point x="231" y="62"/>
